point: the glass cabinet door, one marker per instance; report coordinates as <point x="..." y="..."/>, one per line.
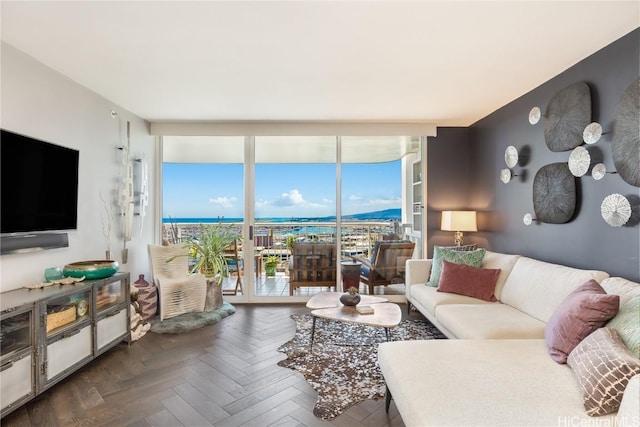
<point x="17" y="382"/>
<point x="15" y="335"/>
<point x="109" y="294"/>
<point x="67" y="311"/>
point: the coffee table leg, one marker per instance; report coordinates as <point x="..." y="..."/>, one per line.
<point x="313" y="331"/>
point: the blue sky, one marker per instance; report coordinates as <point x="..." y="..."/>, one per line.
<point x="282" y="190"/>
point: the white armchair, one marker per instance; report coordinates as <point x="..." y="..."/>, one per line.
<point x="179" y="291"/>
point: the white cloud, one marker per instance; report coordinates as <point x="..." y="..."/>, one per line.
<point x="223" y="202"/>
<point x="291" y="198"/>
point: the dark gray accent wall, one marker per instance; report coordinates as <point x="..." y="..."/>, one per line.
<point x="587" y="241"/>
<point x="448" y="177"/>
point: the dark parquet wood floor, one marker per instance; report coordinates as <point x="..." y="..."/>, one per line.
<point x="220" y="375"/>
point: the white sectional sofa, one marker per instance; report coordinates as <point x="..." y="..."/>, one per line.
<point x="495" y="370"/>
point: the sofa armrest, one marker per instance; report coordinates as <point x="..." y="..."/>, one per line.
<point x="417" y="273"/>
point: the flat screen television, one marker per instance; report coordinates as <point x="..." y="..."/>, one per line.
<point x="39" y="185"/>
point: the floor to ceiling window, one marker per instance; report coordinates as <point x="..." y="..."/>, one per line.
<point x="345" y="193"/>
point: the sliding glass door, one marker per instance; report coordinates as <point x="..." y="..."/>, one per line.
<point x="373" y="197"/>
<point x="295" y="203"/>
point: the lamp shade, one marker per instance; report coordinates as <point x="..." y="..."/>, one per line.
<point x="459" y="221"/>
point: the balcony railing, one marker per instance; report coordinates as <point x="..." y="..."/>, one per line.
<point x="270" y="238"/>
<point x="356" y="237"/>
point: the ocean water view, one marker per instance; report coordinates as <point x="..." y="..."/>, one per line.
<point x="384" y="215"/>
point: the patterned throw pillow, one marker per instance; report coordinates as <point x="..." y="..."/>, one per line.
<point x="470" y="247"/>
<point x="627" y="324"/>
<point x="603" y="366"/>
<point x="472" y="258"/>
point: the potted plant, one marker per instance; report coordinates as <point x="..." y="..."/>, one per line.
<point x="209" y="248"/>
<point x="291" y="239"/>
<point x="270" y="264"/>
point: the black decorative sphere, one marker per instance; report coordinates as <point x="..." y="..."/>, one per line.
<point x="349" y="299"/>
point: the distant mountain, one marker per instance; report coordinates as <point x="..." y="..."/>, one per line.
<point x="385" y="215"/>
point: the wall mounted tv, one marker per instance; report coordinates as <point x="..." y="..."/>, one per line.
<point x="39" y="187"/>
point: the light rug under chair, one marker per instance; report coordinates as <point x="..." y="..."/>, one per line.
<point x="190" y="321"/>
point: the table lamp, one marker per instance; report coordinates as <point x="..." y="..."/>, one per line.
<point x="458" y="221"/>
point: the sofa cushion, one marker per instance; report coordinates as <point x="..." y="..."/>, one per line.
<point x="468" y="280"/>
<point x="603" y="366"/>
<point x="538" y="287"/>
<point x="629" y="411"/>
<point x="504" y="262"/>
<point x="627" y="325"/>
<point x="494" y="382"/>
<point x="621" y="286"/>
<point x="488" y="321"/>
<point x="473" y="258"/>
<point x="429" y="298"/>
<point x="583" y="311"/>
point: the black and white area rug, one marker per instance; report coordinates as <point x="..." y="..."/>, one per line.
<point x="343" y="367"/>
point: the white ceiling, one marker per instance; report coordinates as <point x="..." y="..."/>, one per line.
<point x="449" y="63"/>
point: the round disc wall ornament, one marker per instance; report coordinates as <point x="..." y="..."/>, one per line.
<point x="511" y="156"/>
<point x="505" y="175"/>
<point x="554" y="194"/>
<point x="599" y="171"/>
<point x="568" y="113"/>
<point x="534" y="115"/>
<point x="625" y="145"/>
<point x="527" y="219"/>
<point x="579" y="161"/>
<point x="592" y="133"/>
<point x="615" y="210"/>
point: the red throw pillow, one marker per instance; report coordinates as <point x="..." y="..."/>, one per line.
<point x="468" y="280"/>
<point x="583" y="311"/>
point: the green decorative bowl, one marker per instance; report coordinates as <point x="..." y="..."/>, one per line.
<point x="95" y="269"/>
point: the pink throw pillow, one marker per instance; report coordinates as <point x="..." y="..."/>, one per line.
<point x="467" y="280"/>
<point x="583" y="311"/>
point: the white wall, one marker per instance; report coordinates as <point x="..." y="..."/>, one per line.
<point x="39" y="102"/>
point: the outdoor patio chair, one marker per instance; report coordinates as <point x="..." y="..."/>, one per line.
<point x="314" y="264"/>
<point x="387" y="263"/>
<point x="179" y="291"/>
